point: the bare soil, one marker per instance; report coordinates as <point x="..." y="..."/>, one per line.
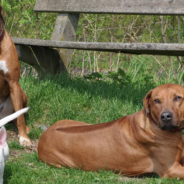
<point x="12" y="136"/>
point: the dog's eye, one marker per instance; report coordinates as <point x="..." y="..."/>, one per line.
<point x="177" y="98"/>
<point x="156" y="101"/>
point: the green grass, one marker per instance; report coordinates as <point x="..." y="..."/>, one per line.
<point x="90" y="101"/>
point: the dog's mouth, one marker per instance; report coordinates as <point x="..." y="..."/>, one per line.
<point x="170" y="127"/>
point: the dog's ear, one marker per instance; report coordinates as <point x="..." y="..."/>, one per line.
<point x="146" y="101"/>
<point x="1" y="14"/>
<point x="1" y="10"/>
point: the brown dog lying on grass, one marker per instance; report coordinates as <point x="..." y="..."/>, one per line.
<point x="149" y="141"/>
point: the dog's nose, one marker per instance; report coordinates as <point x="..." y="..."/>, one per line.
<point x="166" y="116"/>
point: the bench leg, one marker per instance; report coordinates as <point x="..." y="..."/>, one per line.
<point x="45" y="60"/>
<point x="65" y="30"/>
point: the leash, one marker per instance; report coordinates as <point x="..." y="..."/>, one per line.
<point x="2" y="33"/>
<point x="174" y="130"/>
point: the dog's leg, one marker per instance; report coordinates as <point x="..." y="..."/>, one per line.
<point x="17" y="100"/>
<point x="176" y="171"/>
<point x="24" y="97"/>
<point x="182" y="154"/>
<point x="27" y="128"/>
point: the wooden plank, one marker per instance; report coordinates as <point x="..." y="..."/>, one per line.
<point x="145" y="7"/>
<point x="44" y="59"/>
<point x="65" y="30"/>
<point x="133" y="48"/>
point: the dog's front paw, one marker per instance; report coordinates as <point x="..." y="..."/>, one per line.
<point x="25" y="142"/>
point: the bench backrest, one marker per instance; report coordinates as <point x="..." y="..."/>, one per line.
<point x="145" y="7"/>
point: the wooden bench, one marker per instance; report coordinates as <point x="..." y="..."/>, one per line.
<point x="47" y="60"/>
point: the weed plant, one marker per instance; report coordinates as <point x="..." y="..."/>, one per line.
<point x="93" y="99"/>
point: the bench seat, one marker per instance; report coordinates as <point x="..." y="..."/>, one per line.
<point x="169" y="49"/>
<point x="140" y="7"/>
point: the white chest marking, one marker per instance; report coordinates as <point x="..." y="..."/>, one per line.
<point x="3" y="66"/>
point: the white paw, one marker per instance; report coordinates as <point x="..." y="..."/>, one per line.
<point x="24" y="142"/>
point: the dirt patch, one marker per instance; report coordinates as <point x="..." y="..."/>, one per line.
<point x="33" y="148"/>
<point x="13" y="136"/>
<point x="15" y="153"/>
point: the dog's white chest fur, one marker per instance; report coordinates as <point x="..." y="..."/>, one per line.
<point x="3" y="66"/>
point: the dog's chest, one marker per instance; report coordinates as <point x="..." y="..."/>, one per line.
<point x="3" y="66"/>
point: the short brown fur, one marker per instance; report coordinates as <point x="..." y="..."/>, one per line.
<point x="132" y="145"/>
<point x="12" y="97"/>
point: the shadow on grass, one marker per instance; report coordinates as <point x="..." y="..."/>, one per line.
<point x="133" y="91"/>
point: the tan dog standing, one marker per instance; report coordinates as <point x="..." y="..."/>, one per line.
<point x="12" y="97"/>
<point x="149" y="141"/>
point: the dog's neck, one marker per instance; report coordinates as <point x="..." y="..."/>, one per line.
<point x="151" y="118"/>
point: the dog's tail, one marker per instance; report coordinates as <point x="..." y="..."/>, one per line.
<point x="13" y="116"/>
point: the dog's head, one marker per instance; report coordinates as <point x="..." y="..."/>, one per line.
<point x="165" y="104"/>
